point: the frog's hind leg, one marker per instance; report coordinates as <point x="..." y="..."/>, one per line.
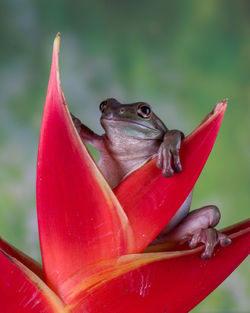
<point x="176" y="219"/>
<point x="198" y="227"/>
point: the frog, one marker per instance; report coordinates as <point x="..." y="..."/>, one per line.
<point x="134" y="135"/>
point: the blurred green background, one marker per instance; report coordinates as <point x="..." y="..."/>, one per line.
<point x="179" y="56"/>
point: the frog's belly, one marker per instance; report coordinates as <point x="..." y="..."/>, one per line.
<point x="176" y="219"/>
<point x="116" y="170"/>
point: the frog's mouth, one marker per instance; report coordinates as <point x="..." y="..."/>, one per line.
<point x="129" y="128"/>
<point x="112" y="120"/>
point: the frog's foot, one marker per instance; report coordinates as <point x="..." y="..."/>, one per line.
<point x="168" y="154"/>
<point x="210" y="237"/>
<point x="198" y="227"/>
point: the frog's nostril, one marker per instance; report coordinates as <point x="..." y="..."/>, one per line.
<point x="108" y="114"/>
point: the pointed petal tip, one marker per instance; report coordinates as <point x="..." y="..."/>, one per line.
<point x="57" y="41"/>
<point x="220" y="106"/>
<point x="61" y="194"/>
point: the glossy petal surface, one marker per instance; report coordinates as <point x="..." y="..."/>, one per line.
<point x="21" y="291"/>
<point x="163" y="282"/>
<point x="151" y="200"/>
<point x="80" y="219"/>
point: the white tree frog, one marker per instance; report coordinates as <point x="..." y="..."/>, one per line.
<point x="133" y="136"/>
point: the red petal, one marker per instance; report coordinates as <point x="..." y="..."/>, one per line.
<point x="21" y="291"/>
<point x="33" y="265"/>
<point x="162" y="282"/>
<point x="80" y="219"/>
<point x="236" y="227"/>
<point x="151" y="200"/>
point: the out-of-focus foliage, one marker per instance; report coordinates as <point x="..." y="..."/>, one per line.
<point x="180" y="56"/>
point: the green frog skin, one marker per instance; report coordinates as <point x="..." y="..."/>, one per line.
<point x="133" y="136"/>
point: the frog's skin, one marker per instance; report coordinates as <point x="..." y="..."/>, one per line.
<point x="133" y="136"/>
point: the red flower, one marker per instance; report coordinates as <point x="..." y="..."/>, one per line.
<point x="92" y="238"/>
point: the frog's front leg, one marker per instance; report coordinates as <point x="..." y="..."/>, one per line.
<point x="168" y="154"/>
<point x="86" y="134"/>
<point x="198" y="227"/>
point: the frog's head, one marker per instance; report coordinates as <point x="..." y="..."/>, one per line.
<point x="135" y="120"/>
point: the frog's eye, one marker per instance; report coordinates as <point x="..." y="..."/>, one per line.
<point x="144" y="110"/>
<point x="103" y="106"/>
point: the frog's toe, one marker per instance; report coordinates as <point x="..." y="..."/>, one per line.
<point x="196" y="238"/>
<point x="224" y="240"/>
<point x="209" y="238"/>
<point x="168" y="169"/>
<point x="168" y="172"/>
<point x="159" y="162"/>
<point x="177" y="163"/>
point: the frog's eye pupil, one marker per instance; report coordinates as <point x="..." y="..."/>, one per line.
<point x="102" y="106"/>
<point x="144" y="111"/>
